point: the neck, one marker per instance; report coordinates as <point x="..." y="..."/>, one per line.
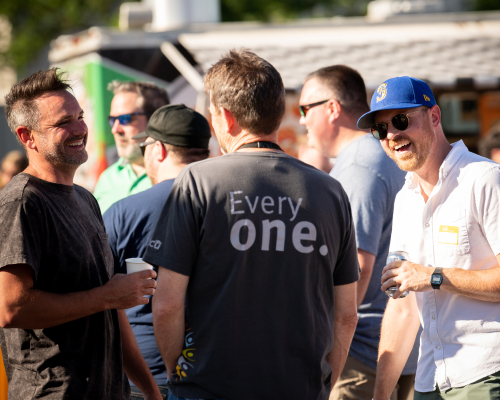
<point x="245" y="137"/>
<point x="345" y="137"/>
<point x="169" y="169"/>
<point x="48" y="172"/>
<point x="138" y="168"/>
<point x="428" y="174"/>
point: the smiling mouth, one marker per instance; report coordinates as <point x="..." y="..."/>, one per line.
<point x="75" y="144"/>
<point x="403" y="146"/>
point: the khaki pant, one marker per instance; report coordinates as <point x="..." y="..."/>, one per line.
<point x="487" y="388"/>
<point x="357" y="382"/>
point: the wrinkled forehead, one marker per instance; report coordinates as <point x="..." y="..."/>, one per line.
<point x="56" y="104"/>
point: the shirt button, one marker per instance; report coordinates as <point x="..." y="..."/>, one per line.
<point x="433" y="317"/>
<point x="438" y="347"/>
<point x="427" y="224"/>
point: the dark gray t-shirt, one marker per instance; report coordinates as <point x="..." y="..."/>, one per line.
<point x="264" y="239"/>
<point x="58" y="231"/>
<point x="371" y="180"/>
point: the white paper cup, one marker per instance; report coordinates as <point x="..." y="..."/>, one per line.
<point x="136" y="265"/>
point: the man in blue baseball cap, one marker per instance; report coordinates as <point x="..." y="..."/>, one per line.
<point x="446" y="219"/>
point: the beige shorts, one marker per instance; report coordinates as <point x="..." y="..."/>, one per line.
<point x="357" y="382"/>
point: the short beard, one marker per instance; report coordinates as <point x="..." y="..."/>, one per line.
<point x="132" y="153"/>
<point x="416" y="160"/>
<point x="56" y="155"/>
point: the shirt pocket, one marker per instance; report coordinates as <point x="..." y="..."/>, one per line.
<point x="451" y="235"/>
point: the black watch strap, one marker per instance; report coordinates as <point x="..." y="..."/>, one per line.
<point x="437" y="278"/>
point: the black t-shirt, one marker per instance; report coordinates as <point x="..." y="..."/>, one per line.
<point x="58" y="231"/>
<point x="264" y="239"/>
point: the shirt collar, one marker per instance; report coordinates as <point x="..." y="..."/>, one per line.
<point x="457" y="150"/>
<point x="122" y="163"/>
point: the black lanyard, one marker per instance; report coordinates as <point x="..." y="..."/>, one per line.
<point x="261" y="145"/>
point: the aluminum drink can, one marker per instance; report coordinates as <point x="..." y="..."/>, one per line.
<point x="397" y="256"/>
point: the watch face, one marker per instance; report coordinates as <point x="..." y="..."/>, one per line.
<point x="436" y="279"/>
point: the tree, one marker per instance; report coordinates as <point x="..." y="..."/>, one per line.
<point x="36" y="22"/>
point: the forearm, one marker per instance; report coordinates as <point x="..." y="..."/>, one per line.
<point x="133" y="362"/>
<point x="39" y="309"/>
<point x="169" y="327"/>
<point x="22" y="306"/>
<point x="479" y="285"/>
<point x="343" y="333"/>
<point x="399" y="329"/>
<point x="366" y="262"/>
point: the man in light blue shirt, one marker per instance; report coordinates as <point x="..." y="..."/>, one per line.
<point x="332" y="100"/>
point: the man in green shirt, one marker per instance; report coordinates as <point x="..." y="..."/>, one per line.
<point x="132" y="106"/>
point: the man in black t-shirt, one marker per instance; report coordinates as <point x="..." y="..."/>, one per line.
<point x="61" y="308"/>
<point x="256" y="295"/>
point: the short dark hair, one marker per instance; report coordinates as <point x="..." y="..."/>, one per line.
<point x="490" y="141"/>
<point x="21" y="107"/>
<point x="346" y="86"/>
<point x="187" y="155"/>
<point x="250" y="88"/>
<point x="153" y="96"/>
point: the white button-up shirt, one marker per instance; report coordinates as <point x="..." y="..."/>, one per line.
<point x="458" y="227"/>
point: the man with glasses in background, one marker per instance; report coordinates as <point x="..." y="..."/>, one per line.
<point x="446" y="219"/>
<point x="332" y="100"/>
<point x="175" y="137"/>
<point x="132" y="106"/>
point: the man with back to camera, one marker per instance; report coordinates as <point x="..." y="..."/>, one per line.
<point x="265" y="263"/>
<point x="132" y="106"/>
<point x="446" y="219"/>
<point x="175" y="137"/>
<point x="58" y="296"/>
<point x="332" y="100"/>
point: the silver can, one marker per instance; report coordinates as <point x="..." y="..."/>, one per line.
<point x="397" y="256"/>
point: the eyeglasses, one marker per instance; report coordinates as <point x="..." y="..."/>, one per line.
<point x="124" y="119"/>
<point x="305" y="108"/>
<point x="143" y="145"/>
<point x="400" y="122"/>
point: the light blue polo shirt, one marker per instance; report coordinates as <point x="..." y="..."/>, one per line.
<point x="371" y="180"/>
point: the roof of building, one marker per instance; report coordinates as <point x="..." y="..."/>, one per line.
<point x="443" y="49"/>
<point x="440" y="51"/>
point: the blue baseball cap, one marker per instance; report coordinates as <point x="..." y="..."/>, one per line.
<point x="396" y="93"/>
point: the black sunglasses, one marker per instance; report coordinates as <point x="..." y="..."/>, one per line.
<point x="400" y="122"/>
<point x="124" y="119"/>
<point x="305" y="108"/>
<point x="143" y="145"/>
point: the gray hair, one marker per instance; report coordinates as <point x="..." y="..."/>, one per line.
<point x="152" y="96"/>
<point x="21" y="106"/>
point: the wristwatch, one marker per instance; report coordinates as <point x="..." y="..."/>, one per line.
<point x="437" y="278"/>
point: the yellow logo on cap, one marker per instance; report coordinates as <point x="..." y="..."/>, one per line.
<point x="382" y="92"/>
<point x="426" y="98"/>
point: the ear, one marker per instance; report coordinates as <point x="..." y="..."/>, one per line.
<point x="161" y="151"/>
<point x="435" y="113"/>
<point x="229" y="120"/>
<point x="26" y="136"/>
<point x="334" y="109"/>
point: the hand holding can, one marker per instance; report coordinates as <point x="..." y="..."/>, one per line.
<point x="397" y="256"/>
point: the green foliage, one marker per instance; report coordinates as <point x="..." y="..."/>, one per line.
<point x="486" y="5"/>
<point x="36" y="22"/>
<point x="278" y="10"/>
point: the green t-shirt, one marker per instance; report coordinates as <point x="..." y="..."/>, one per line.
<point x="117" y="182"/>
